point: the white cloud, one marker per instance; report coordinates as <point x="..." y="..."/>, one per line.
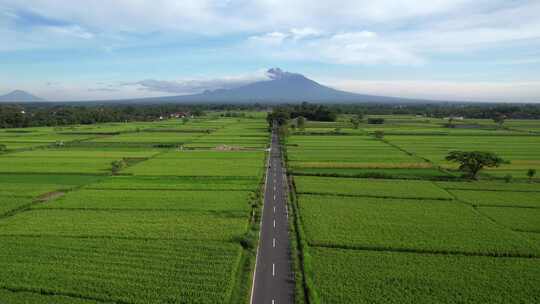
<point x="272" y="39"/>
<point x="222" y="16"/>
<point x="74" y="31"/>
<point x="193" y="86"/>
<point x="361" y="47"/>
<point x="515" y="91"/>
<point x="406" y="29"/>
<point x="306" y="32"/>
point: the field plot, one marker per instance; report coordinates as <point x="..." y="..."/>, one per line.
<point x="20" y="190"/>
<point x="524" y="125"/>
<point x="216" y="183"/>
<point x="38" y="137"/>
<point x="491" y="186"/>
<point x="370" y="187"/>
<point x="251" y="134"/>
<point x="351" y="276"/>
<point x="393" y="224"/>
<point x="167" y="226"/>
<point x="117" y="270"/>
<point x="499" y="198"/>
<point x="224" y="226"/>
<point x="149" y="138"/>
<point x="9" y="203"/>
<point x="214" y="201"/>
<point x="403" y="173"/>
<point x="520" y="219"/>
<point x="333" y="154"/>
<point x="384" y="223"/>
<point x="65" y="160"/>
<point x="202" y="163"/>
<point x="25" y="297"/>
<point x="522" y="151"/>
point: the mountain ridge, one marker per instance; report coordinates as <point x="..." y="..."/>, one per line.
<point x="19" y="96"/>
<point x="281" y="86"/>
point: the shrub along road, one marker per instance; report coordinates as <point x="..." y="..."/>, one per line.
<point x="273" y="281"/>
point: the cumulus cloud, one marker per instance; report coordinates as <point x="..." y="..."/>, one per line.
<point x="350" y="33"/>
<point x="407" y="31"/>
<point x="219" y="16"/>
<point x="360" y="47"/>
<point x="193" y="86"/>
<point x="270" y="39"/>
<point x="478" y="91"/>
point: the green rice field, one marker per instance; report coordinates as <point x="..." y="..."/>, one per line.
<point x="373" y="219"/>
<point x="389" y="220"/>
<point x="164" y="228"/>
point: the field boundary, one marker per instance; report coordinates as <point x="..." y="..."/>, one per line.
<point x="376" y="196"/>
<point x="423" y="251"/>
<point x="47" y="292"/>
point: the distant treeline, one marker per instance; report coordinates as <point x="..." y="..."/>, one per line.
<point x="487" y="111"/>
<point x="314" y="112"/>
<point x="41" y="114"/>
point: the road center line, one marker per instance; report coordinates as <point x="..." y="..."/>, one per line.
<point x="274" y="223"/>
<point x="273" y="269"/>
<point x="274" y="243"/>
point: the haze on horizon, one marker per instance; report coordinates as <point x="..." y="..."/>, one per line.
<point x="439" y="49"/>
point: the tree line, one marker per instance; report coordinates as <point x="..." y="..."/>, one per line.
<point x="44" y="114"/>
<point x="37" y="115"/>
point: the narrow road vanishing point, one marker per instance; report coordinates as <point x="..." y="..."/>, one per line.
<point x="273" y="280"/>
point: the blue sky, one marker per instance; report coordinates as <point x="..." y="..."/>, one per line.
<point x="441" y="49"/>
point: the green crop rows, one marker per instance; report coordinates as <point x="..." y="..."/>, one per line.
<point x="166" y="226"/>
<point x="388" y="220"/>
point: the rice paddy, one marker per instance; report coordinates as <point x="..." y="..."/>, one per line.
<point x="389" y="220"/>
<point x="164" y="227"/>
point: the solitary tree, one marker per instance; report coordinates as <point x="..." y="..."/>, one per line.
<point x="355" y="121"/>
<point x="472" y="162"/>
<point x="450" y="123"/>
<point x="379" y="134"/>
<point x="117" y="165"/>
<point x="277" y="116"/>
<point x="531" y="173"/>
<point x="499" y="119"/>
<point x="301" y="122"/>
<point x="375" y="121"/>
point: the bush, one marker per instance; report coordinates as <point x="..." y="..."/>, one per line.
<point x="375" y="121"/>
<point x="379" y="134"/>
<point x="530" y="173"/>
<point x="117" y="165"/>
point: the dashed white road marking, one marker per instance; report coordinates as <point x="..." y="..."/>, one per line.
<point x="274" y="243"/>
<point x="274" y="209"/>
<point x="273" y="269"/>
<point x="274" y="223"/>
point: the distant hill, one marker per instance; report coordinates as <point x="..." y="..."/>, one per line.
<point x="280" y="87"/>
<point x="19" y="96"/>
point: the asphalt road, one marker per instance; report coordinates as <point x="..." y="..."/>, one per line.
<point x="273" y="281"/>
